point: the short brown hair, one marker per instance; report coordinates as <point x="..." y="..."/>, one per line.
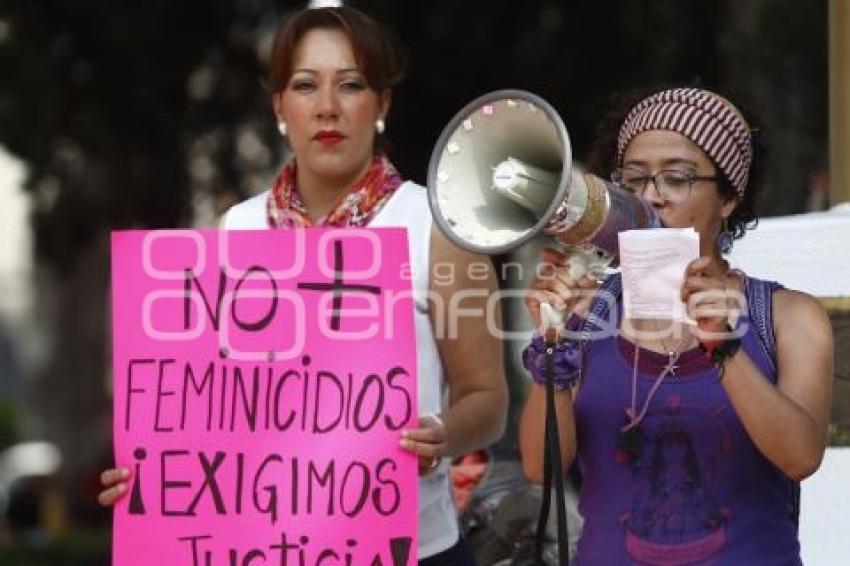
<point x="379" y="55"/>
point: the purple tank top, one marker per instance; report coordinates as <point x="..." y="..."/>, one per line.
<point x="693" y="489"/>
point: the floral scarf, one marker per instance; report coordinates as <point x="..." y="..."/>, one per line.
<point x="357" y="207"/>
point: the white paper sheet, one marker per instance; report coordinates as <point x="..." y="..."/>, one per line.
<point x="653" y="262"/>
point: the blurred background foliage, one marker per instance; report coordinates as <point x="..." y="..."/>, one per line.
<point x="154" y="114"/>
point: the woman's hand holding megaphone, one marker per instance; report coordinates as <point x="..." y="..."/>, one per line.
<point x="561" y="284"/>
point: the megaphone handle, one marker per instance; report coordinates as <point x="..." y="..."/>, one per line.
<point x="587" y="259"/>
<point x="550" y="318"/>
<point x="584" y="260"/>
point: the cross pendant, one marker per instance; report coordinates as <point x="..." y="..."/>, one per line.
<point x="671" y="366"/>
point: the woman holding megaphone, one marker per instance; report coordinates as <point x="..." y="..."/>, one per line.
<point x="690" y="438"/>
<point x="331" y="80"/>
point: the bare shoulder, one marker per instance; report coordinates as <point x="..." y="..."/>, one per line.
<point x="805" y="353"/>
<point x="795" y="312"/>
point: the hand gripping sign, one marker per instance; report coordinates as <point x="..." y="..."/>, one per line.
<point x="261" y="380"/>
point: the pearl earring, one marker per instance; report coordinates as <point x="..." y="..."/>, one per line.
<point x="380" y="126"/>
<point x="281" y="127"/>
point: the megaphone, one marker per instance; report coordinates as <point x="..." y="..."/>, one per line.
<point x="502" y="172"/>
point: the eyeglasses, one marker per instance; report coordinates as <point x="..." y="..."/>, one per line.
<point x="671" y="185"/>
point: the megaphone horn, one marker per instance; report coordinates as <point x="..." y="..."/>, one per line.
<point x="507" y="143"/>
<point x="502" y="172"/>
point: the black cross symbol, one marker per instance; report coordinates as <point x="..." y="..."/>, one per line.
<point x="339" y="286"/>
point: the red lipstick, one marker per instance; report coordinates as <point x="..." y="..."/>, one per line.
<point x="328" y="137"/>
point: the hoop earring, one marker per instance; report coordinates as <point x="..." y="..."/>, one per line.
<point x="380" y="126"/>
<point x="281" y="127"/>
<point x="724" y="238"/>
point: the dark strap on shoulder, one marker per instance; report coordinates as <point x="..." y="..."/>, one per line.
<point x="760" y="310"/>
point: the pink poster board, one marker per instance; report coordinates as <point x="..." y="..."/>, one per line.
<point x="261" y="381"/>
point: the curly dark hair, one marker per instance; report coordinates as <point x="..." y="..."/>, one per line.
<point x="602" y="157"/>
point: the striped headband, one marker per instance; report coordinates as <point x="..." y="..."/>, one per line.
<point x="705" y="118"/>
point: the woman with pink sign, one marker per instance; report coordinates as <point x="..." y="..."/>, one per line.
<point x="331" y="81"/>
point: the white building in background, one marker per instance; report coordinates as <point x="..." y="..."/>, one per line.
<point x="806" y="252"/>
<point x="15" y="241"/>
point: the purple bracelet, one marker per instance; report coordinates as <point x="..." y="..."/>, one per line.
<point x="567" y="362"/>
